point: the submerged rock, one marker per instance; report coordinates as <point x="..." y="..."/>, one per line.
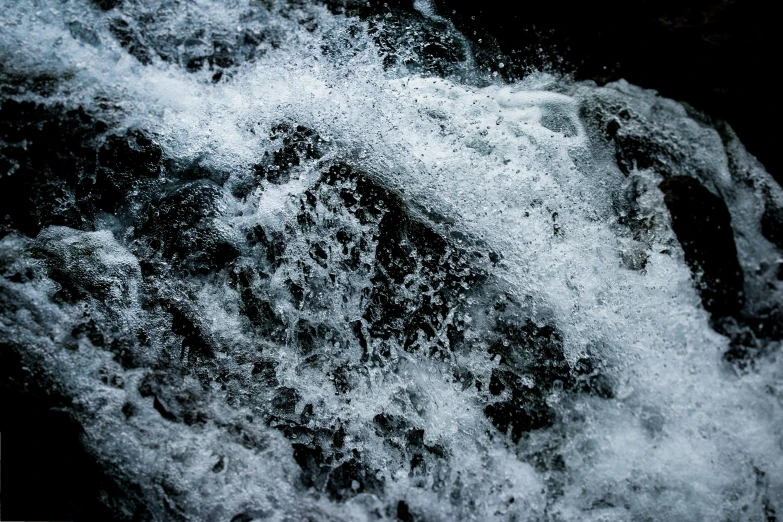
<point x="702" y="224"/>
<point x="416" y="298"/>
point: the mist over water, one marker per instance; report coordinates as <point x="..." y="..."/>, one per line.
<point x="285" y="261"/>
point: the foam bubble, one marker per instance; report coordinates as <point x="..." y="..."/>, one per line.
<point x="516" y="168"/>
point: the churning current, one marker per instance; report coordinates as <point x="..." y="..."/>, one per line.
<point x="294" y="261"/>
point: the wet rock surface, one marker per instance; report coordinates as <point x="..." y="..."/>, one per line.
<point x="702" y="224"/>
<point x="290" y="330"/>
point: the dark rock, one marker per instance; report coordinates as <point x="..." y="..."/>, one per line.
<point x="91" y="331"/>
<point x="272" y="242"/>
<point x="195" y="54"/>
<point x="196" y="345"/>
<point x="403" y="512"/>
<point x="392" y="313"/>
<point x="134" y="153"/>
<point x="106" y="5"/>
<point x="702" y="223"/>
<point x="295" y="145"/>
<point x="390" y="425"/>
<point x="339" y="438"/>
<point x="183" y="225"/>
<point x="436" y="47"/>
<point x="307" y="336"/>
<point x="532" y="366"/>
<point x="129" y="410"/>
<point x="297" y="292"/>
<point x="415" y="438"/>
<point x="418" y="465"/>
<point x="248" y="436"/>
<point x="175" y="400"/>
<point x="223" y="54"/>
<point x="342" y="379"/>
<point x="285" y="400"/>
<point x="124" y="161"/>
<point x="634" y="152"/>
<point x="88" y="264"/>
<point x="195" y="169"/>
<point x="525" y="412"/>
<point x="256" y="306"/>
<point x="219" y="466"/>
<point x="166" y="414"/>
<point x="84" y="33"/>
<point x="772" y="224"/>
<point x="496" y="385"/>
<point x="318" y="254"/>
<point x="261" y="314"/>
<point x="431" y="45"/>
<point x="266" y="371"/>
<point x="351" y="478"/>
<point x="130" y="40"/>
<point x="14" y="83"/>
<point x="590" y="380"/>
<point x="70" y="290"/>
<point x="250" y="516"/>
<point x="548" y="460"/>
<point x="535" y="349"/>
<point x="48" y="160"/>
<point x="312" y="462"/>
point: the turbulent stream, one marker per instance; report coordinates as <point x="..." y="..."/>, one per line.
<point x="305" y="261"/>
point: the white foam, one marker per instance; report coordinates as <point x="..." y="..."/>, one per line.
<point x="682" y="438"/>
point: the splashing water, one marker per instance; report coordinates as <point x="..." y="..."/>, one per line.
<point x="293" y="264"/>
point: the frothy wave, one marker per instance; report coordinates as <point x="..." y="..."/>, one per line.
<point x="292" y="264"/>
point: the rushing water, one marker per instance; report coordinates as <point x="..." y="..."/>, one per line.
<point x="292" y="261"/>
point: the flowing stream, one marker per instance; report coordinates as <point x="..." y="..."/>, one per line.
<point x="293" y="261"/>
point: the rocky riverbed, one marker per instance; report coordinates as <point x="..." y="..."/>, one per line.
<point x="299" y="261"/>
